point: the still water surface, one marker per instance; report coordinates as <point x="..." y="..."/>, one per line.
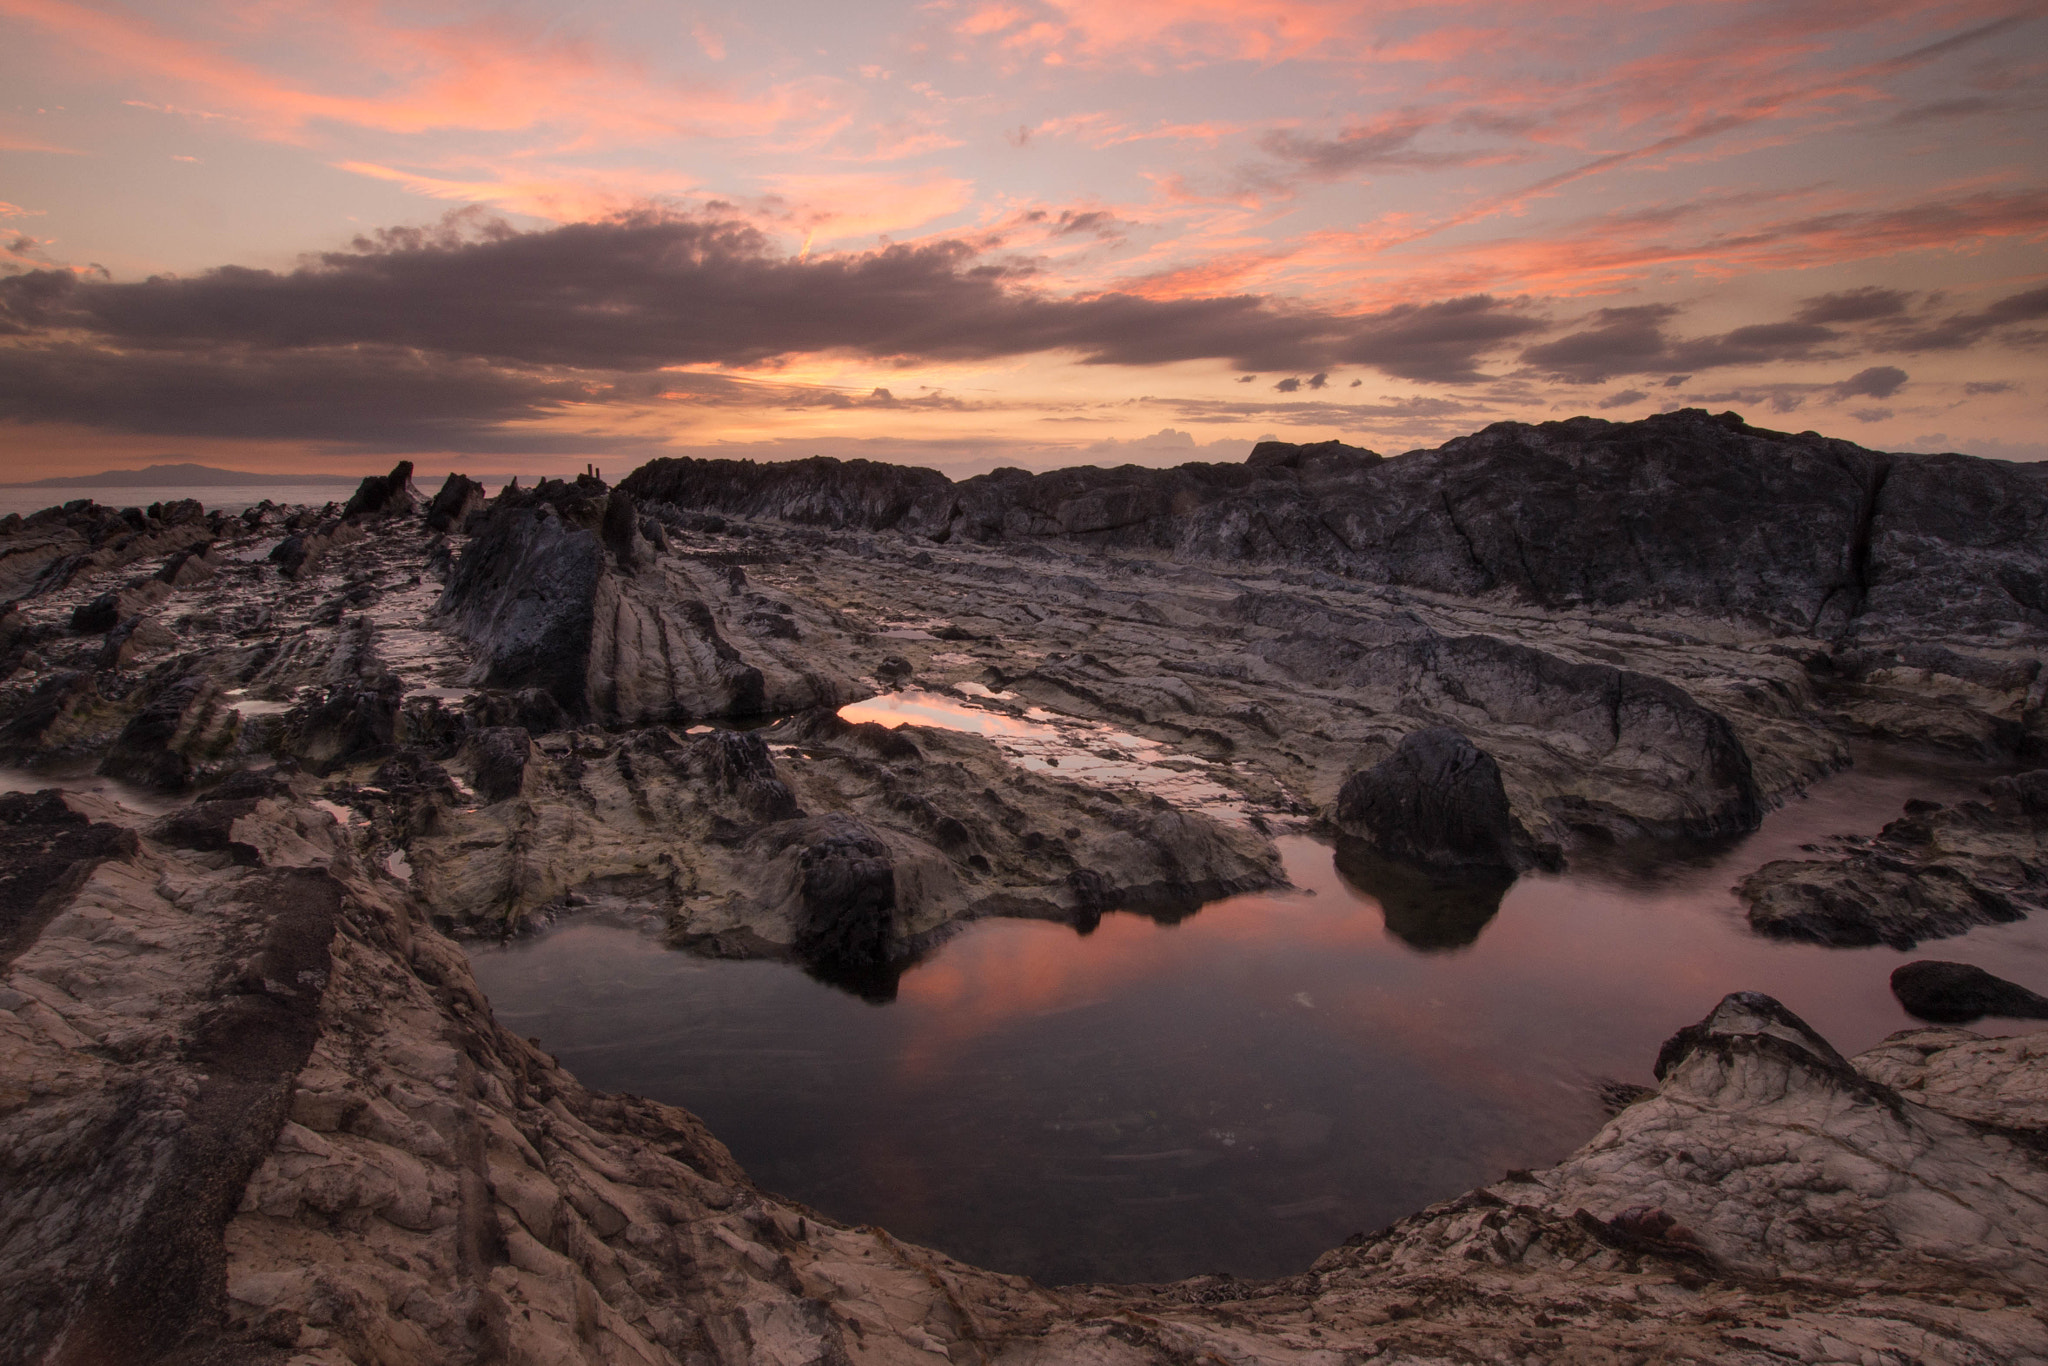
<point x="1236" y="1092"/>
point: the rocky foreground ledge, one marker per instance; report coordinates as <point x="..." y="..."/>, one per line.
<point x="256" y="1110"/>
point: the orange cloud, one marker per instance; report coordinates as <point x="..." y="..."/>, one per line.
<point x="491" y="76"/>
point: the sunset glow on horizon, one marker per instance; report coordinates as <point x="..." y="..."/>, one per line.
<point x="280" y="236"/>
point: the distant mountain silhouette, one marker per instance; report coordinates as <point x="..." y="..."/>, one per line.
<point x="195" y="476"/>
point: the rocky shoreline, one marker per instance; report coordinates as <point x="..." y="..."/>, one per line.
<point x="255" y="1107"/>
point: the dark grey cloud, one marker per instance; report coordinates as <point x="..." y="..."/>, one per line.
<point x="1319" y="380"/>
<point x="1621" y="398"/>
<point x="1989" y="386"/>
<point x="1634" y="341"/>
<point x="1288" y="385"/>
<point x="2002" y="317"/>
<point x="1854" y="306"/>
<point x="1871" y="414"/>
<point x="445" y="337"/>
<point x="651" y="290"/>
<point x="353" y="398"/>
<point x="1879" y="381"/>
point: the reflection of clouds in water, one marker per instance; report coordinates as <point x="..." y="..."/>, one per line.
<point x="1043" y="741"/>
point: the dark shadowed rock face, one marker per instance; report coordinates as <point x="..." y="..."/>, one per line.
<point x="384" y="495"/>
<point x="501" y="754"/>
<point x="459" y="496"/>
<point x="1681" y="509"/>
<point x="1957" y="993"/>
<point x="1437" y="802"/>
<point x="848" y="897"/>
<point x="525" y="591"/>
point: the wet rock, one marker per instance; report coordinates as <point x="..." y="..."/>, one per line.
<point x="1957" y="993"/>
<point x="1436" y="802"/>
<point x="385" y="495"/>
<point x="189" y="567"/>
<point x="498" y="756"/>
<point x="893" y="669"/>
<point x="848" y="897"/>
<point x="459" y="496"/>
<point x="1936" y="871"/>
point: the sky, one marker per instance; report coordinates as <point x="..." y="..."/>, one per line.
<point x="320" y="235"/>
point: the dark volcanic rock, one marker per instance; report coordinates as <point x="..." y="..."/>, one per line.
<point x="1957" y="993"/>
<point x="1934" y="872"/>
<point x="500" y="755"/>
<point x="458" y="497"/>
<point x="352" y="721"/>
<point x="820" y="491"/>
<point x="559" y="590"/>
<point x="1436" y="802"/>
<point x="384" y="495"/>
<point x="1681" y="509"/>
<point x="847" y="930"/>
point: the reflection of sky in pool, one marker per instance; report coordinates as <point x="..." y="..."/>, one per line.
<point x="1033" y="738"/>
<point x="1233" y="1093"/>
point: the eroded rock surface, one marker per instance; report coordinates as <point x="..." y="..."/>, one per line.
<point x="1936" y="871"/>
<point x="252" y="1106"/>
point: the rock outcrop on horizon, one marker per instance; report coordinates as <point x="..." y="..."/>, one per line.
<point x="1804" y="532"/>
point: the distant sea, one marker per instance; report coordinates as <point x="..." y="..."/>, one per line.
<point x="226" y="497"/>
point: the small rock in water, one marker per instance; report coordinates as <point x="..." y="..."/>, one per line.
<point x="1957" y="993"/>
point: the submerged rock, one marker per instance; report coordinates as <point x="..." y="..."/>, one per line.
<point x="1957" y="993"/>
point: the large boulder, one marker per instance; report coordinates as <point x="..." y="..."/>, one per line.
<point x="1437" y="802"/>
<point x="1957" y="993"/>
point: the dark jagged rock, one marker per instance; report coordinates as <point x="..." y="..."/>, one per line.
<point x="172" y="738"/>
<point x="45" y="551"/>
<point x="499" y="755"/>
<point x="1802" y="530"/>
<point x="533" y="710"/>
<point x="352" y="721"/>
<point x="1934" y="872"/>
<point x="819" y="491"/>
<point x="560" y="592"/>
<point x="1436" y="802"/>
<point x="384" y="495"/>
<point x="738" y="764"/>
<point x="1957" y="993"/>
<point x="116" y="605"/>
<point x="458" y="497"/>
<point x="848" y="896"/>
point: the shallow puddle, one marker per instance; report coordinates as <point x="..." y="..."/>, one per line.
<point x="1236" y="1092"/>
<point x="1047" y="742"/>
